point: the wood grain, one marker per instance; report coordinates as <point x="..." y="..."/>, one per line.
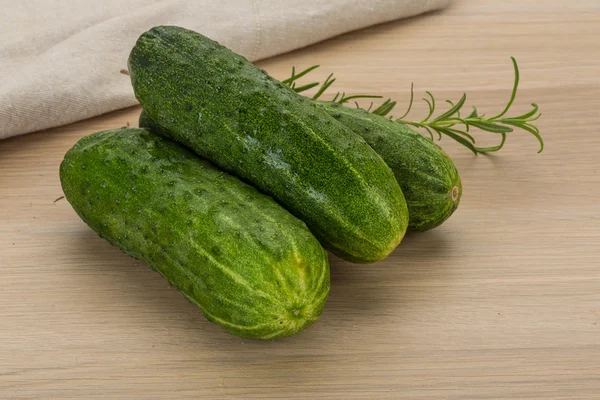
<point x="501" y="302"/>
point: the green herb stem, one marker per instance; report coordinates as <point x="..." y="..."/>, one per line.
<point x="447" y="123"/>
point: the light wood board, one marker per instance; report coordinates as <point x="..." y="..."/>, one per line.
<point x="501" y="302"/>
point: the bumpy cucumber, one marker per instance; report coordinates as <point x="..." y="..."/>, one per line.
<point x="428" y="177"/>
<point x="250" y="266"/>
<point x="426" y="174"/>
<point x="233" y="114"/>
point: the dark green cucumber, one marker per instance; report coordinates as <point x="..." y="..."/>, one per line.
<point x="428" y="177"/>
<point x="233" y="114"/>
<point x="250" y="265"/>
<point x="426" y="174"/>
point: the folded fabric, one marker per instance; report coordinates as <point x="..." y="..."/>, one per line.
<point x="61" y="60"/>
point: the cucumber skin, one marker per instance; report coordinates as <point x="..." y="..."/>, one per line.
<point x="233" y="114"/>
<point x="428" y="177"/>
<point x="250" y="266"/>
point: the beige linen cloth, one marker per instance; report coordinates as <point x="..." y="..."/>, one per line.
<point x="60" y="60"/>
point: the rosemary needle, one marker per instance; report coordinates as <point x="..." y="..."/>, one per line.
<point x="450" y="123"/>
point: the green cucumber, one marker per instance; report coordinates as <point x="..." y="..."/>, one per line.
<point x="233" y="114"/>
<point x="250" y="265"/>
<point x="428" y="177"/>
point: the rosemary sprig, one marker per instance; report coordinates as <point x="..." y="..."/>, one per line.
<point x="448" y="123"/>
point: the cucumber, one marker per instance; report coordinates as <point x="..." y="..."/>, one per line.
<point x="236" y="116"/>
<point x="428" y="177"/>
<point x="426" y="174"/>
<point x="250" y="265"/>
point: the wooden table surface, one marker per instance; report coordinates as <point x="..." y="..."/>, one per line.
<point x="501" y="302"/>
